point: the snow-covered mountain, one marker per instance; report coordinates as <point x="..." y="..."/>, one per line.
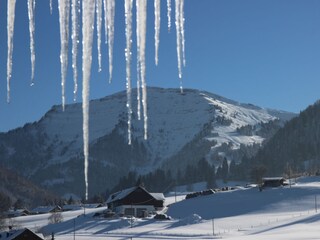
<point x="49" y="151"/>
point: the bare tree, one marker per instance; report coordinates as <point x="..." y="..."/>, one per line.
<point x="55" y="217"/>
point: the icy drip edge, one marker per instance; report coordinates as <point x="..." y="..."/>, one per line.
<point x="128" y="23"/>
<point x="87" y="37"/>
<point x="11" y="5"/>
<point x="64" y="8"/>
<point x="75" y="12"/>
<point x="31" y="8"/>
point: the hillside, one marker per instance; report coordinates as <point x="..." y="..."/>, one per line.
<point x="18" y="188"/>
<point x="295" y="147"/>
<point x="183" y="128"/>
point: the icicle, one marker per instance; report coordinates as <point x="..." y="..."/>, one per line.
<point x="179" y="21"/>
<point x="138" y="91"/>
<point x="182" y="31"/>
<point x="128" y="22"/>
<point x="141" y="37"/>
<point x="156" y="28"/>
<point x="87" y="35"/>
<point x="31" y="8"/>
<point x="178" y="32"/>
<point x="105" y="7"/>
<point x="169" y="14"/>
<point x="51" y="7"/>
<point x="11" y="5"/>
<point x="99" y="24"/>
<point x="138" y="61"/>
<point x="110" y="30"/>
<point x="64" y="9"/>
<point x="75" y="12"/>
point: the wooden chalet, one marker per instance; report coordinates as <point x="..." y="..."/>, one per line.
<point x="135" y="201"/>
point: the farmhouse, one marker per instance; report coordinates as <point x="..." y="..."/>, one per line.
<point x="135" y="201"/>
<point x="273" y="182"/>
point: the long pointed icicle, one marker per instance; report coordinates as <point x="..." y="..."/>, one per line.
<point x="178" y="32"/>
<point x="179" y="21"/>
<point x="138" y="61"/>
<point x="169" y="14"/>
<point x="11" y="5"/>
<point x="64" y="9"/>
<point x="182" y="31"/>
<point x="75" y="12"/>
<point x="105" y="7"/>
<point x="156" y="28"/>
<point x="128" y="22"/>
<point x="51" y="7"/>
<point x="99" y="26"/>
<point x="31" y="8"/>
<point x="142" y="9"/>
<point x="110" y="30"/>
<point x="87" y="36"/>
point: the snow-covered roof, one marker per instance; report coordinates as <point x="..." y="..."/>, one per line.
<point x="44" y="209"/>
<point x="273" y="178"/>
<point x="121" y="194"/>
<point x="158" y="196"/>
<point x="16" y="233"/>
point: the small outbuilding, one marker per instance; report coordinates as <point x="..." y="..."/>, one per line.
<point x="135" y="201"/>
<point x="273" y="182"/>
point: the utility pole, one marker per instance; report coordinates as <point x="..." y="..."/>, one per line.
<point x="213" y="226"/>
<point x="175" y="193"/>
<point x="74" y="229"/>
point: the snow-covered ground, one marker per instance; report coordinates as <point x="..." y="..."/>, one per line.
<point x="244" y="213"/>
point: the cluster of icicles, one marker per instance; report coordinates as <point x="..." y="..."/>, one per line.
<point x="89" y="9"/>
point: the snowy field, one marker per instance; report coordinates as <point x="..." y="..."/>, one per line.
<point x="244" y="213"/>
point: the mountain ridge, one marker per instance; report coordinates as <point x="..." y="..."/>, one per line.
<point x="49" y="151"/>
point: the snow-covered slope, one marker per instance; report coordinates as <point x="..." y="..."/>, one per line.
<point x="50" y="151"/>
<point x="242" y="214"/>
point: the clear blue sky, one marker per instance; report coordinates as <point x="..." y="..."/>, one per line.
<point x="263" y="52"/>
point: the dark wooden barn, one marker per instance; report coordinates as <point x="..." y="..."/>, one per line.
<point x="273" y="182"/>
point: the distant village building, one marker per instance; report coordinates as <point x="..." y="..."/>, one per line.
<point x="74" y="207"/>
<point x="16" y="213"/>
<point x="273" y="182"/>
<point x="135" y="201"/>
<point x="45" y="209"/>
